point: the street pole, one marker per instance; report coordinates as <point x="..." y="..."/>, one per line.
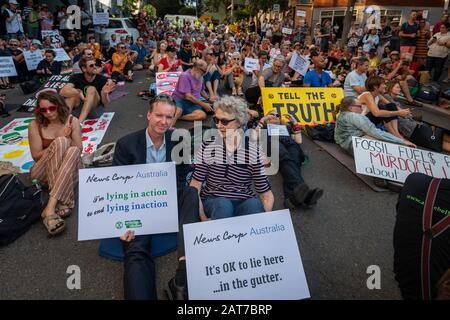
<point x="232" y="9"/>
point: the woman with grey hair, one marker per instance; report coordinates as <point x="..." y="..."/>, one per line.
<point x="229" y="169"/>
<point x="351" y="123"/>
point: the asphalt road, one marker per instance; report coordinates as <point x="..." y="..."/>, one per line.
<point x="349" y="230"/>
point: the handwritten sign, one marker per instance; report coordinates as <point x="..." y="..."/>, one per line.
<point x="299" y="63"/>
<point x="113" y="200"/>
<point x="54" y="35"/>
<point x="286" y="30"/>
<point x="32" y="59"/>
<point x="166" y="82"/>
<point x="241" y="258"/>
<point x="100" y="18"/>
<point x="309" y="106"/>
<point x="61" y="55"/>
<point x="54" y="82"/>
<point x="251" y="64"/>
<point x="277" y="130"/>
<point x="7" y="67"/>
<point x="396" y="162"/>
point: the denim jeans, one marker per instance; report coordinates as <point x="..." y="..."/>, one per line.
<point x="221" y="207"/>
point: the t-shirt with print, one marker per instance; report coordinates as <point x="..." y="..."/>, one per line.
<point x="187" y="83"/>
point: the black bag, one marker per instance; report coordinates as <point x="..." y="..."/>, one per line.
<point x="20" y="207"/>
<point x="428" y="94"/>
<point x="322" y="132"/>
<point x="428" y="137"/>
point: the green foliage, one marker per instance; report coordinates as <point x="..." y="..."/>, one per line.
<point x="129" y="6"/>
<point x="241" y="14"/>
<point x="151" y="10"/>
<point x="164" y="7"/>
<point x="188" y="11"/>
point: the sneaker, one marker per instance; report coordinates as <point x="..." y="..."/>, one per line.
<point x="300" y="193"/>
<point x="313" y="196"/>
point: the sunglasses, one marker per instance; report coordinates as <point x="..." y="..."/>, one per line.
<point x="46" y="110"/>
<point x="224" y="122"/>
<point x="163" y="97"/>
<point x="274" y="114"/>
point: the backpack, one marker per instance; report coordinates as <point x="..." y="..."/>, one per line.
<point x="428" y="94"/>
<point x="322" y="132"/>
<point x="21" y="206"/>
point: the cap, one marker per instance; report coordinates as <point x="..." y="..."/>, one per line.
<point x="35" y="41"/>
<point x="216" y="42"/>
<point x="297" y="44"/>
<point x="385" y="61"/>
<point x="395" y="20"/>
<point x="394" y="52"/>
<point x="236" y="55"/>
<point x="13" y="2"/>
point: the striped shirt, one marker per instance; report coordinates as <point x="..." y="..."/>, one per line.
<point x="230" y="175"/>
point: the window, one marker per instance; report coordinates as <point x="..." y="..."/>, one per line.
<point x="130" y="24"/>
<point x="115" y="24"/>
<point x="339" y="13"/>
<point x="324" y="14"/>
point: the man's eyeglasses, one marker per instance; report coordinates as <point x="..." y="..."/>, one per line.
<point x="224" y="122"/>
<point x="91" y="65"/>
<point x="45" y="110"/>
<point x="278" y="66"/>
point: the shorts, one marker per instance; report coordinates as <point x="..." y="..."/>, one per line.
<point x="187" y="106"/>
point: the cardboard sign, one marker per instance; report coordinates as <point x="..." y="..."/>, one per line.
<point x="61" y="55"/>
<point x="247" y="257"/>
<point x="7" y="67"/>
<point x="286" y="30"/>
<point x="100" y="18"/>
<point x="396" y="162"/>
<point x="32" y="59"/>
<point x="166" y="82"/>
<point x="113" y="200"/>
<point x="251" y="64"/>
<point x="299" y="63"/>
<point x="54" y="35"/>
<point x="309" y="106"/>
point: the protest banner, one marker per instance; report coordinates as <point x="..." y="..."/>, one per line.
<point x="55" y="82"/>
<point x="301" y="13"/>
<point x="286" y="30"/>
<point x="299" y="63"/>
<point x="241" y="258"/>
<point x="61" y="55"/>
<point x="7" y="67"/>
<point x="32" y="59"/>
<point x="113" y="200"/>
<point x="309" y="106"/>
<point x="54" y="35"/>
<point x="166" y="82"/>
<point x="100" y="18"/>
<point x="251" y="64"/>
<point x="396" y="162"/>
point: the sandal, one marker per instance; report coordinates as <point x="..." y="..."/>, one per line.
<point x="57" y="228"/>
<point x="63" y="211"/>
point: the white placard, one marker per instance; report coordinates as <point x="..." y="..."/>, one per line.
<point x="299" y="63"/>
<point x="119" y="3"/>
<point x="166" y="82"/>
<point x="286" y="30"/>
<point x="114" y="200"/>
<point x="54" y="34"/>
<point x="276" y="8"/>
<point x="396" y="162"/>
<point x="100" y="18"/>
<point x="61" y="55"/>
<point x="251" y="64"/>
<point x="7" y="67"/>
<point x="253" y="257"/>
<point x="277" y="130"/>
<point x="267" y="65"/>
<point x="301" y="13"/>
<point x="32" y="59"/>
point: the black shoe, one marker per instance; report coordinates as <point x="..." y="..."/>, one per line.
<point x="175" y="292"/>
<point x="313" y="196"/>
<point x="300" y="193"/>
<point x="288" y="204"/>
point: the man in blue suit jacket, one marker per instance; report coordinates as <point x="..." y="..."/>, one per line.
<point x="154" y="145"/>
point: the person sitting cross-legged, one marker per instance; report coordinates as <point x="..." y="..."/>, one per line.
<point x="190" y="95"/>
<point x="89" y="89"/>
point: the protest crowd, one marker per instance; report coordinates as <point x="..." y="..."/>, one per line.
<point x="383" y="71"/>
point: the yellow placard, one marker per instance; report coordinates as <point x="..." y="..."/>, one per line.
<point x="309" y="106"/>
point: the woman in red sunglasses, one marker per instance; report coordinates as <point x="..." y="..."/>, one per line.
<point x="55" y="143"/>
